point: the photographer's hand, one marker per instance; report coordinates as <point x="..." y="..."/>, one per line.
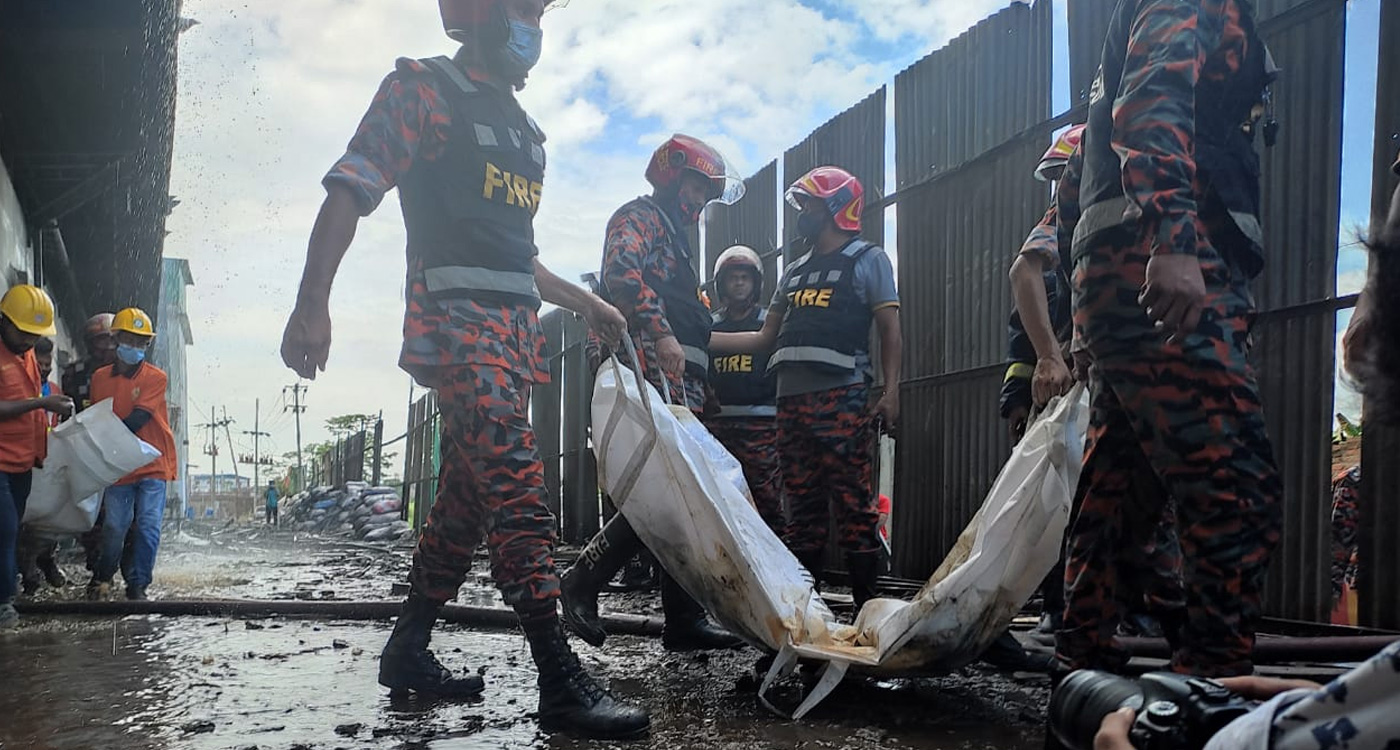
<point x="1113" y="732"/>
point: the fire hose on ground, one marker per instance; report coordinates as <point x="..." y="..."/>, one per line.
<point x="1281" y="650"/>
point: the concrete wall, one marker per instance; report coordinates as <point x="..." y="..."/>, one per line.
<point x="17" y="260"/>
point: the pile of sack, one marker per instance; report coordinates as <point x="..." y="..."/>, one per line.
<point x="359" y="511"/>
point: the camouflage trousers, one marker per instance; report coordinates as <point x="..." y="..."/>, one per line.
<point x="754" y="441"/>
<point x="1191" y="413"/>
<point x="491" y="485"/>
<point x="826" y="450"/>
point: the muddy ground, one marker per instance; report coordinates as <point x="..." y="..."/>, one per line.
<point x="217" y="683"/>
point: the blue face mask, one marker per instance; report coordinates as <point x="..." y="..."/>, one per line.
<point x="522" y="48"/>
<point x="131" y="355"/>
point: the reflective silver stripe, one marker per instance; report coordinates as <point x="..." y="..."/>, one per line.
<point x="748" y="411"/>
<point x="855" y="248"/>
<point x="448" y="68"/>
<point x="1103" y="215"/>
<point x="514" y="136"/>
<point x="485" y="135"/>
<point x="537" y="154"/>
<point x="1108" y="214"/>
<point x="812" y="354"/>
<point x="451" y="278"/>
<point x="833" y="276"/>
<point x="696" y="356"/>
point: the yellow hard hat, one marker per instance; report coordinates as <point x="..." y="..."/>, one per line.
<point x="30" y="309"/>
<point x="133" y="320"/>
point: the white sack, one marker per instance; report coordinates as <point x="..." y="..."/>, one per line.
<point x="87" y="454"/>
<point x="686" y="498"/>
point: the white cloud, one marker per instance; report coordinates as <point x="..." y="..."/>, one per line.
<point x="271" y="92"/>
<point x="932" y="22"/>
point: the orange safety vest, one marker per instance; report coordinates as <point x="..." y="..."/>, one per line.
<point x="24" y="439"/>
<point x="143" y="389"/>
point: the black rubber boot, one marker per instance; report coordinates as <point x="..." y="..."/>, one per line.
<point x="570" y="699"/>
<point x="136" y="593"/>
<point x="605" y="554"/>
<point x="52" y="573"/>
<point x="687" y="627"/>
<point x="406" y="664"/>
<point x="639" y="575"/>
<point x="1008" y="655"/>
<point x="815" y="563"/>
<point x="864" y="569"/>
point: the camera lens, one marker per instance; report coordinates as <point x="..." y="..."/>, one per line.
<point x="1082" y="700"/>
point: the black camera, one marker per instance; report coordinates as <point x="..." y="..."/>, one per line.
<point x="1174" y="712"/>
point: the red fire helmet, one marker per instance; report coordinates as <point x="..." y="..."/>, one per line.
<point x="838" y="189"/>
<point x="1057" y="156"/>
<point x="683" y="152"/>
<point x="461" y="18"/>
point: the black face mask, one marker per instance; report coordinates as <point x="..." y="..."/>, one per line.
<point x="810" y="225"/>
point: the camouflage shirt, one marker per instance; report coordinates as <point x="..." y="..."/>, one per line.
<point x="410" y="119"/>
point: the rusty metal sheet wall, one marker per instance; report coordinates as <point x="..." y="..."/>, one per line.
<point x="958" y="236"/>
<point x="967" y="201"/>
<point x="1292" y="357"/>
<point x="985" y="86"/>
<point x="1302" y="173"/>
<point x="1295" y="350"/>
<point x="1379" y="575"/>
<point x="853" y="140"/>
<point x="752" y="221"/>
<point x="951" y="446"/>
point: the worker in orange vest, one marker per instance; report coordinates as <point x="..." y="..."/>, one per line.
<point x="26" y="315"/>
<point x="137" y="502"/>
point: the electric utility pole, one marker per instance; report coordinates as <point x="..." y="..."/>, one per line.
<point x="213" y="449"/>
<point x="297" y="407"/>
<point x="257" y="455"/>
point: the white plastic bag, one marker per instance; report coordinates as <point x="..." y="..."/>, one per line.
<point x="87" y="454"/>
<point x="685" y="497"/>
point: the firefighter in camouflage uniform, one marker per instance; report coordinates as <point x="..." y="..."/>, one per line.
<point x="747" y="393"/>
<point x="1165" y="246"/>
<point x="469" y="165"/>
<point x="818" y="328"/>
<point x="647" y="272"/>
<point x="1039" y="335"/>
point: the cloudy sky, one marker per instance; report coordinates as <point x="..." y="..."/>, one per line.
<point x="270" y="93"/>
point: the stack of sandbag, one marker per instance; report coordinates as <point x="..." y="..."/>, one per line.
<point x="359" y="512"/>
<point x="376" y="517"/>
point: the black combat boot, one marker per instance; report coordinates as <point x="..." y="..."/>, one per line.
<point x="639" y="575"/>
<point x="52" y="573"/>
<point x="864" y="568"/>
<point x="687" y="627"/>
<point x="1008" y="655"/>
<point x="406" y="664"/>
<point x="570" y="699"/>
<point x="815" y="563"/>
<point x="605" y="554"/>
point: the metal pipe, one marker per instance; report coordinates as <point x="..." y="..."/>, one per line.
<point x="1284" y="650"/>
<point x="484" y="617"/>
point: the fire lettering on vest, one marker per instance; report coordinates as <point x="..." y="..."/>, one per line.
<point x="734" y="363"/>
<point x="811" y="297"/>
<point x="515" y="190"/>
